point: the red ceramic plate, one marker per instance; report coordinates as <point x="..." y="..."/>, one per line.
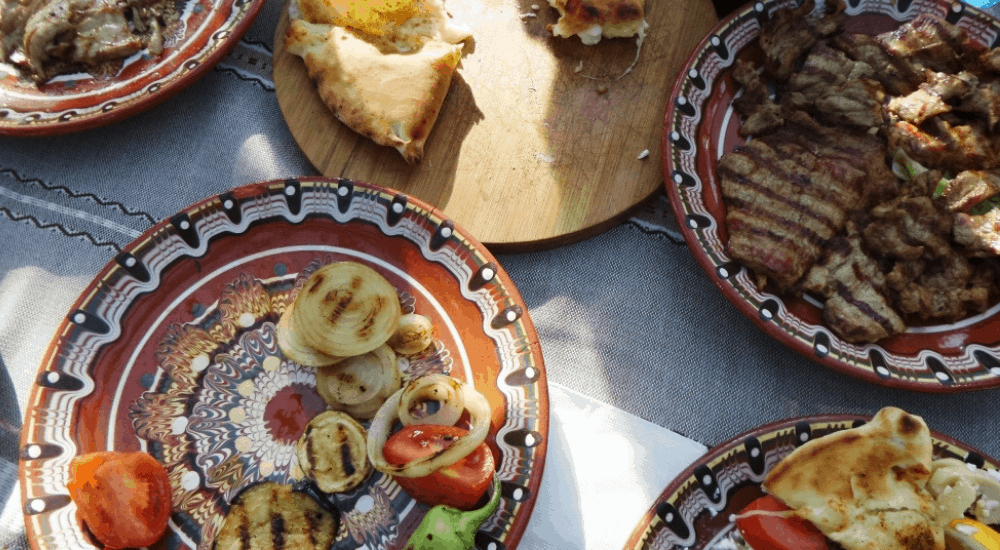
<point x="694" y="510"/>
<point x="701" y="126"/>
<point x="206" y="32"/>
<point x="171" y="350"/>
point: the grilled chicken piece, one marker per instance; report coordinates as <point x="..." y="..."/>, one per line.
<point x="970" y="188"/>
<point x="928" y="42"/>
<point x="946" y="146"/>
<point x="783" y="202"/>
<point x="837" y="89"/>
<point x="856" y="306"/>
<point x="790" y="33"/>
<point x="270" y="516"/>
<point x="979" y="235"/>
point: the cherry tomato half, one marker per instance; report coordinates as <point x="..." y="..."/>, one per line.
<point x="123" y="497"/>
<point x="777" y="533"/>
<point x="460" y="485"/>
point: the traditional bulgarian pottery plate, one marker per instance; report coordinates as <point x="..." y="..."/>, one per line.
<point x="694" y="511"/>
<point x="171" y="350"/>
<point x="204" y="32"/>
<point x="701" y="126"/>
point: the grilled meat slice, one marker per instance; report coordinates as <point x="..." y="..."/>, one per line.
<point x="760" y="113"/>
<point x="942" y="290"/>
<point x="837" y="89"/>
<point x="941" y="144"/>
<point x="271" y="516"/>
<point x="856" y="306"/>
<point x="783" y="202"/>
<point x="790" y="33"/>
<point x="928" y="42"/>
<point x="897" y="75"/>
<point x="908" y="228"/>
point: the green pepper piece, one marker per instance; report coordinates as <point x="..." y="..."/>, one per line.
<point x="447" y="528"/>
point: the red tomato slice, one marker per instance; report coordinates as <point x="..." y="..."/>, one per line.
<point x="123" y="497"/>
<point x="460" y="485"/>
<point x="777" y="533"/>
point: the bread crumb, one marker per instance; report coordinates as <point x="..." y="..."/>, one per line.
<point x="579" y="67"/>
<point x="643" y="154"/>
<point x="528" y="15"/>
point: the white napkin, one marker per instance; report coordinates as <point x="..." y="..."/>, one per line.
<point x="603" y="470"/>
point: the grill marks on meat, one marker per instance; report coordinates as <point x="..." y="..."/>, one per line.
<point x="783" y="203"/>
<point x="812" y="205"/>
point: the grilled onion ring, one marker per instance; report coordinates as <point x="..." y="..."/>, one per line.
<point x="432" y="387"/>
<point x="381" y="426"/>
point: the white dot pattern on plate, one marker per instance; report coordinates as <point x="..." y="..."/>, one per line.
<point x="446" y="232"/>
<point x="228" y="205"/>
<point x="822" y="349"/>
<point x="178" y="425"/>
<point x="364" y="504"/>
<point x="34" y="451"/>
<point x="707" y="480"/>
<point x="247" y="319"/>
<point x="529" y="372"/>
<point x="716" y="41"/>
<point x="289" y="190"/>
<point x="942" y="376"/>
<point x="529" y="440"/>
<point x="803" y="437"/>
<point x="342" y="191"/>
<point x="518" y="494"/>
<point x="723" y="272"/>
<point x="200" y="362"/>
<point x="397" y="207"/>
<point x="511" y="316"/>
<point x="79" y="318"/>
<point x="767" y="313"/>
<point x="488" y="274"/>
<point x="52" y="377"/>
<point x="883" y="371"/>
<point x="130" y="262"/>
<point x="190" y="481"/>
<point x="38" y="505"/>
<point x="755" y="452"/>
<point x="185" y="225"/>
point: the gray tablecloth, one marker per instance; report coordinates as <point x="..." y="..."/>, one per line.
<point x="627" y="317"/>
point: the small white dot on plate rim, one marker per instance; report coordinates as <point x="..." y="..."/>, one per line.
<point x="446" y="232"/>
<point x="130" y="261"/>
<point x="942" y="376"/>
<point x="956" y="7"/>
<point x="38" y="505"/>
<point x="723" y="272"/>
<point x="342" y="191"/>
<point x="674" y="136"/>
<point x="488" y="273"/>
<point x="511" y="316"/>
<point x="247" y="320"/>
<point x="364" y="504"/>
<point x="759" y="6"/>
<point x="669" y="517"/>
<point x="397" y="207"/>
<point x="882" y="370"/>
<point x="678" y="178"/>
<point x="185" y="224"/>
<point x="682" y="100"/>
<point x="693" y="224"/>
<point x="693" y="73"/>
<point x="767" y="313"/>
<point x="200" y="362"/>
<point x="52" y="377"/>
<point x="178" y="425"/>
<point x="492" y="546"/>
<point x="529" y="440"/>
<point x="803" y="437"/>
<point x="755" y="452"/>
<point x="79" y="318"/>
<point x="518" y="494"/>
<point x="822" y="349"/>
<point x="995" y="371"/>
<point x="228" y="205"/>
<point x="529" y="372"/>
<point x="715" y="41"/>
<point x="289" y="190"/>
<point x="34" y="451"/>
<point x="707" y="480"/>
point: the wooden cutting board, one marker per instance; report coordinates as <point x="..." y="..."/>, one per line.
<point x="537" y="143"/>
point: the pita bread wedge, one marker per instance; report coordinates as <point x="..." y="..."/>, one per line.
<point x="865" y="488"/>
<point x="391" y="98"/>
<point x="592" y="19"/>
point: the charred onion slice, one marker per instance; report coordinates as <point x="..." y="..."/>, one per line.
<point x="346" y="309"/>
<point x="414" y="334"/>
<point x="378" y="434"/>
<point x="441" y="388"/>
<point x="297" y="349"/>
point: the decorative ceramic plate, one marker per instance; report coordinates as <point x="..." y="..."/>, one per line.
<point x="701" y="126"/>
<point x="694" y="511"/>
<point x="172" y="350"/>
<point x="205" y="32"/>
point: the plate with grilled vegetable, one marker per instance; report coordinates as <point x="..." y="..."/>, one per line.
<point x="844" y="482"/>
<point x="336" y="358"/>
<point x="833" y="167"/>
<point x="70" y="65"/>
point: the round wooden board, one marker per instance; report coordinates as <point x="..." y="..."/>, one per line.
<point x="528" y="151"/>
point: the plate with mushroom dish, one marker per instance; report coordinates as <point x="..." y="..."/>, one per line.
<point x="833" y="168"/>
<point x="335" y="356"/>
<point x="68" y="66"/>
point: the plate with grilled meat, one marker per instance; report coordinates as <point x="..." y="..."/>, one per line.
<point x="188" y="346"/>
<point x="844" y="482"/>
<point x="68" y="65"/>
<point x="835" y="168"/>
